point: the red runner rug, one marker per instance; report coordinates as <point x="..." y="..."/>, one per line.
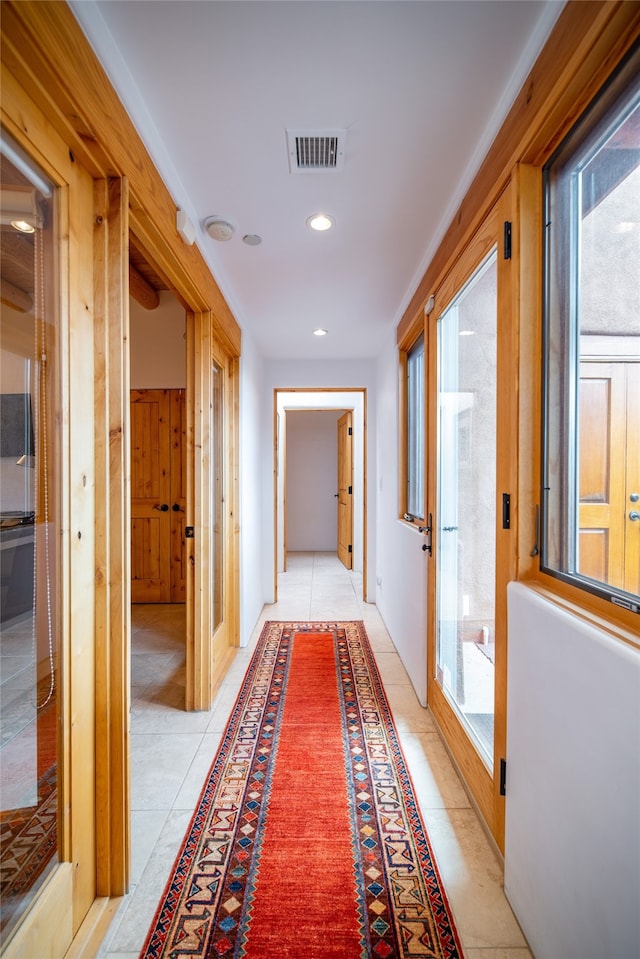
<point x="307" y="842"/>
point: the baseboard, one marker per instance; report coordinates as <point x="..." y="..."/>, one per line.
<point x="91" y="934"/>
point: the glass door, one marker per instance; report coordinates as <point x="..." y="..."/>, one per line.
<point x="472" y="364"/>
<point x="466" y="491"/>
<point x="30" y="700"/>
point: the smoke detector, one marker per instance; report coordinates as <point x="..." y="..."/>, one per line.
<point x="218" y="228"/>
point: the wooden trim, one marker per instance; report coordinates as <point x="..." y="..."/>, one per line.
<point x="365" y="554"/>
<point x="78" y="581"/>
<point x="323" y="389"/>
<point x="275" y="495"/>
<point x="65" y="113"/>
<point x="588" y="41"/>
<point x="112" y="523"/>
<point x="527" y="305"/>
<point x="283" y="440"/>
<point x="47" y="928"/>
<point x="412" y="331"/>
<point x="232" y="608"/>
<point x="199" y="661"/>
<point x="506" y="482"/>
<point x="77" y="97"/>
<point x="483" y="784"/>
<point x="403" y="430"/>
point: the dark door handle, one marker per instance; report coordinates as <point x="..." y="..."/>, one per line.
<point x="163" y="508"/>
<point x="176" y="508"/>
<point x="426" y="547"/>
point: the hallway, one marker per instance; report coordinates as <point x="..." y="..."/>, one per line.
<point x="173" y="750"/>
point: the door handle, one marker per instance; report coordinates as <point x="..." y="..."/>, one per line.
<point x="163" y="508"/>
<point x="634" y="497"/>
<point x="634" y="515"/>
<point x="426" y="547"/>
<point x="176" y="508"/>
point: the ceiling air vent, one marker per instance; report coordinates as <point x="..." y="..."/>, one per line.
<point x="315" y="151"/>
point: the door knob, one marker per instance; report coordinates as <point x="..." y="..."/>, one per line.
<point x="176" y="507"/>
<point x="634" y="497"/>
<point x="163" y="508"/>
<point x="634" y="515"/>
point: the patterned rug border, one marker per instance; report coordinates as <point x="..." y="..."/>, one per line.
<point x="449" y="945"/>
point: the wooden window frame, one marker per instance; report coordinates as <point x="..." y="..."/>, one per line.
<point x="606" y="101"/>
<point x="417" y="329"/>
<point x="585" y="47"/>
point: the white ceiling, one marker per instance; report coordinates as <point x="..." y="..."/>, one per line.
<point x="421" y="88"/>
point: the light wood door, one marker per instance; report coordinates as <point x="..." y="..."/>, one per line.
<point x="345" y="489"/>
<point x="609" y="530"/>
<point x="157" y="496"/>
<point x="472" y="358"/>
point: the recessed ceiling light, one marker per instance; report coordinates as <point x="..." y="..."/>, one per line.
<point x="320" y="332"/>
<point x="252" y="239"/>
<point x="23" y="226"/>
<point x="320" y="222"/>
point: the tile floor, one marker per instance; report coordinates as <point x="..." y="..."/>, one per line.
<point x="171" y="752"/>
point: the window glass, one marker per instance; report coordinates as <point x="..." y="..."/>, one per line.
<point x="466" y="528"/>
<point x="415" y="429"/>
<point x="30" y="418"/>
<point x="591" y="528"/>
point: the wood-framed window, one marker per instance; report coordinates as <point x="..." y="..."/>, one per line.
<point x="591" y="433"/>
<point x="412" y="429"/>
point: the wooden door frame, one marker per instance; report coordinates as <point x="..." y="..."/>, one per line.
<point x="348" y="416"/>
<point x="63" y="111"/>
<point x="279" y="437"/>
<point x="58" y="908"/>
<point x="484" y="786"/>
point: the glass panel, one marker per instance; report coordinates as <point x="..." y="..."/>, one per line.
<point x="465" y="643"/>
<point x="218" y="496"/>
<point x="592" y="521"/>
<point x="29" y="704"/>
<point x="415" y="429"/>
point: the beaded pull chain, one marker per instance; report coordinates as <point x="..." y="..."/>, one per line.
<point x="41" y="432"/>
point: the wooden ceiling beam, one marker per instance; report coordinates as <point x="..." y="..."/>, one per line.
<point x="140" y="290"/>
<point x="14" y="297"/>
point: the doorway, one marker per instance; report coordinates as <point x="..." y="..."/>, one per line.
<point x="158" y="486"/>
<point x="319" y="484"/>
<point x="158" y="496"/>
<point x="470" y="474"/>
<point x="301" y="402"/>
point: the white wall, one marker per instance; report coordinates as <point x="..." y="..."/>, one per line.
<point x="312" y="480"/>
<point x="158" y="345"/>
<point x="572" y="853"/>
<point x="401" y="570"/>
<point x="252" y="453"/>
<point x="16" y="482"/>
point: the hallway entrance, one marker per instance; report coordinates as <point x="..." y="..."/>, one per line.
<point x="319" y="463"/>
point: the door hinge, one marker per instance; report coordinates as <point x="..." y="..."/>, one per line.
<point x="350" y="548"/>
<point x="507" y="240"/>
<point x="350" y="431"/>
<point x="506" y="511"/>
<point x="351" y="491"/>
<point x="503" y="777"/>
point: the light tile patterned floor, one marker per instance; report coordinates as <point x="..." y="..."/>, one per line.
<point x="171" y="752"/>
